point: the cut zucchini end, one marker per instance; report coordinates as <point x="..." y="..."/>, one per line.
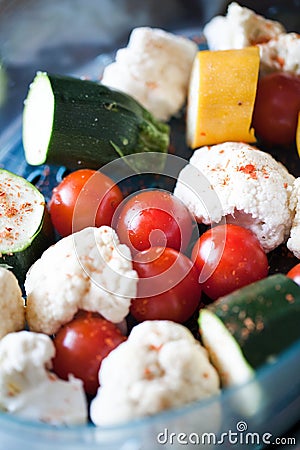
<point x="224" y="351"/>
<point x="22" y="209"/>
<point x="38" y="118"/>
<point x="25" y="227"/>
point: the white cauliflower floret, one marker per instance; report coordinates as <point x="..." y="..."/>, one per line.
<point x="12" y="315"/>
<point x="281" y="54"/>
<point x="240" y="28"/>
<point x="88" y="270"/>
<point x="29" y="389"/>
<point x="155" y="69"/>
<point x="160" y="366"/>
<point x="293" y="243"/>
<point x="241" y="183"/>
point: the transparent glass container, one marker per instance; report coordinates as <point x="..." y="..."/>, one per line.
<point x="79" y="37"/>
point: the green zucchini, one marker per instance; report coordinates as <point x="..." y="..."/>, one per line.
<point x="80" y="123"/>
<point x="251" y="326"/>
<point x="25" y="226"/>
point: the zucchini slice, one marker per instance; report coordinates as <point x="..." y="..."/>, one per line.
<point x="80" y="123"/>
<point x="225" y="353"/>
<point x="25" y="227"/>
<point x="233" y="368"/>
<point x="251" y="326"/>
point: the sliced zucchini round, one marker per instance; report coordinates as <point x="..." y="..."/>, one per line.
<point x="25" y="227"/>
<point x="251" y="326"/>
<point x="247" y="328"/>
<point x="225" y="352"/>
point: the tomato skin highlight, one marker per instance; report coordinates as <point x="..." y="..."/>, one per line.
<point x="81" y="346"/>
<point x="294" y="273"/>
<point x="154" y="218"/>
<point x="233" y="257"/>
<point x="168" y="287"/>
<point x="276" y="108"/>
<point x="83" y="198"/>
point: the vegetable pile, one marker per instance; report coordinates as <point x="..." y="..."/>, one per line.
<point x="136" y="298"/>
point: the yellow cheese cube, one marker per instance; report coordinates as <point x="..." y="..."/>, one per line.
<point x="221" y="96"/>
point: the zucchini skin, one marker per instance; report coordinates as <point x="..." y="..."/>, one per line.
<point x="263" y="317"/>
<point x="93" y="125"/>
<point x="20" y="261"/>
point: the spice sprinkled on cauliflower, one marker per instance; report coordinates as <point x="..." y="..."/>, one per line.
<point x="12" y="316"/>
<point x="29" y="389"/>
<point x="88" y="270"/>
<point x="252" y="187"/>
<point x="281" y="54"/>
<point x="240" y="28"/>
<point x="293" y="243"/>
<point x="155" y="69"/>
<point x="160" y="366"/>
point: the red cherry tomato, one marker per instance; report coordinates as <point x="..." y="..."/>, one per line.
<point x="276" y="108"/>
<point x="228" y="257"/>
<point x="81" y="346"/>
<point x="84" y="198"/>
<point x="294" y="273"/>
<point x="154" y="218"/>
<point x="168" y="286"/>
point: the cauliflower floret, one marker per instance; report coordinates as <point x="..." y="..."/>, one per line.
<point x="29" y="389"/>
<point x="160" y="366"/>
<point x="240" y="28"/>
<point x="11" y="303"/>
<point x="241" y="183"/>
<point x="155" y="69"/>
<point x="282" y="53"/>
<point x="293" y="243"/>
<point x="87" y="270"/>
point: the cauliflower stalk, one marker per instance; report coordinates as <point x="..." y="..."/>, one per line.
<point x="239" y="183"/>
<point x="160" y="366"/>
<point x="29" y="389"/>
<point x="88" y="270"/>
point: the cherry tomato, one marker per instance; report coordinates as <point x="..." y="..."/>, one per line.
<point x="228" y="257"/>
<point x="81" y="346"/>
<point x="294" y="273"/>
<point x="84" y="198"/>
<point x="276" y="108"/>
<point x="168" y="286"/>
<point x="153" y="218"/>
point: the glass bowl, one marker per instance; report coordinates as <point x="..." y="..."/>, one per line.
<point x="77" y="39"/>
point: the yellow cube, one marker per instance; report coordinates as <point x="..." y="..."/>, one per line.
<point x="221" y="96"/>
